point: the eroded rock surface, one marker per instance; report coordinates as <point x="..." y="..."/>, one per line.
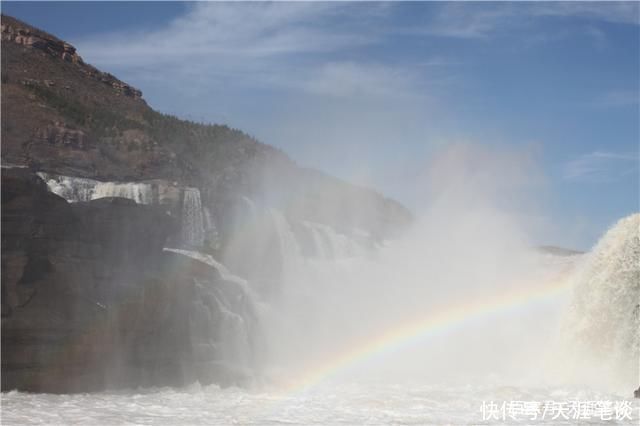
<point x="91" y="301"/>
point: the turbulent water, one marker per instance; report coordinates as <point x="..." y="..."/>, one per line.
<point x="337" y="404"/>
<point x="192" y="218"/>
<point x="467" y="311"/>
<point x="81" y="189"/>
<point x="602" y="326"/>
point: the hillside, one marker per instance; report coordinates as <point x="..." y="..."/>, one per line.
<point x="61" y="115"/>
<point x="67" y="116"/>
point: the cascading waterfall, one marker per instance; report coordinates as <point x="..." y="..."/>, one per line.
<point x="601" y="332"/>
<point x="224" y="326"/>
<point x="320" y="244"/>
<point x="604" y="319"/>
<point x="324" y="297"/>
<point x="192" y="218"/>
<point x="329" y="244"/>
<point x="197" y="223"/>
<point x="303" y="314"/>
<point x="343" y="293"/>
<point x="230" y="308"/>
<point x="138" y="192"/>
<point x="333" y="253"/>
<point x="74" y="189"/>
<point x="212" y="236"/>
<point x="289" y="247"/>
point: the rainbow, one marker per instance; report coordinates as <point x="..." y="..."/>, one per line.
<point x="420" y="328"/>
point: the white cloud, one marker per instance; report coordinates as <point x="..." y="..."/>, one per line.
<point x="463" y="20"/>
<point x="228" y="31"/>
<point x="615" y="12"/>
<point x="256" y="45"/>
<point x="484" y="20"/>
<point x="601" y="166"/>
<point x="305" y="45"/>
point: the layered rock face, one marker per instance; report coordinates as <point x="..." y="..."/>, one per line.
<point x="13" y="31"/>
<point x="90" y="300"/>
<point x="27" y="37"/>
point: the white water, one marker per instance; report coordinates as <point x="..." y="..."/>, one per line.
<point x="376" y="392"/>
<point x="192" y="218"/>
<point x="343" y="399"/>
<point x="342" y="295"/>
<point x="347" y="295"/>
<point x="338" y="404"/>
<point x="74" y="189"/>
<point x="231" y="319"/>
<point x="330" y="244"/>
<point x="209" y="260"/>
<point x="138" y="192"/>
<point x="601" y="330"/>
<point x="197" y="224"/>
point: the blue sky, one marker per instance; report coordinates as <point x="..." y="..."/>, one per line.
<point x="372" y="91"/>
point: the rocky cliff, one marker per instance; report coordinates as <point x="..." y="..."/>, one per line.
<point x="21" y="34"/>
<point x="91" y="300"/>
<point x="116" y="217"/>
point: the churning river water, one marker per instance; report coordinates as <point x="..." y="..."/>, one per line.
<point x="335" y="404"/>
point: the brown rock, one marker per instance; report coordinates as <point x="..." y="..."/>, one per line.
<point x="91" y="301"/>
<point x="35" y="39"/>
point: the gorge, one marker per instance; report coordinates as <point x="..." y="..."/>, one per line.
<point x="157" y="270"/>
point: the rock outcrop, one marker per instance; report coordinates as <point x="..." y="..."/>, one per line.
<point x="38" y="40"/>
<point x="15" y="32"/>
<point x="91" y="301"/>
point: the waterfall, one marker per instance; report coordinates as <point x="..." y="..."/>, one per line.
<point x="197" y="222"/>
<point x="228" y="308"/>
<point x="287" y="243"/>
<point x="74" y="189"/>
<point x="211" y="230"/>
<point x="286" y="239"/>
<point x="313" y="290"/>
<point x="138" y="192"/>
<point x="192" y="218"/>
<point x="601" y="331"/>
<point x="330" y="244"/>
<point x="289" y="313"/>
<point x="320" y="244"/>
<point x="225" y="274"/>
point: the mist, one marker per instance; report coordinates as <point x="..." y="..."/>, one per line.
<point x="470" y="242"/>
